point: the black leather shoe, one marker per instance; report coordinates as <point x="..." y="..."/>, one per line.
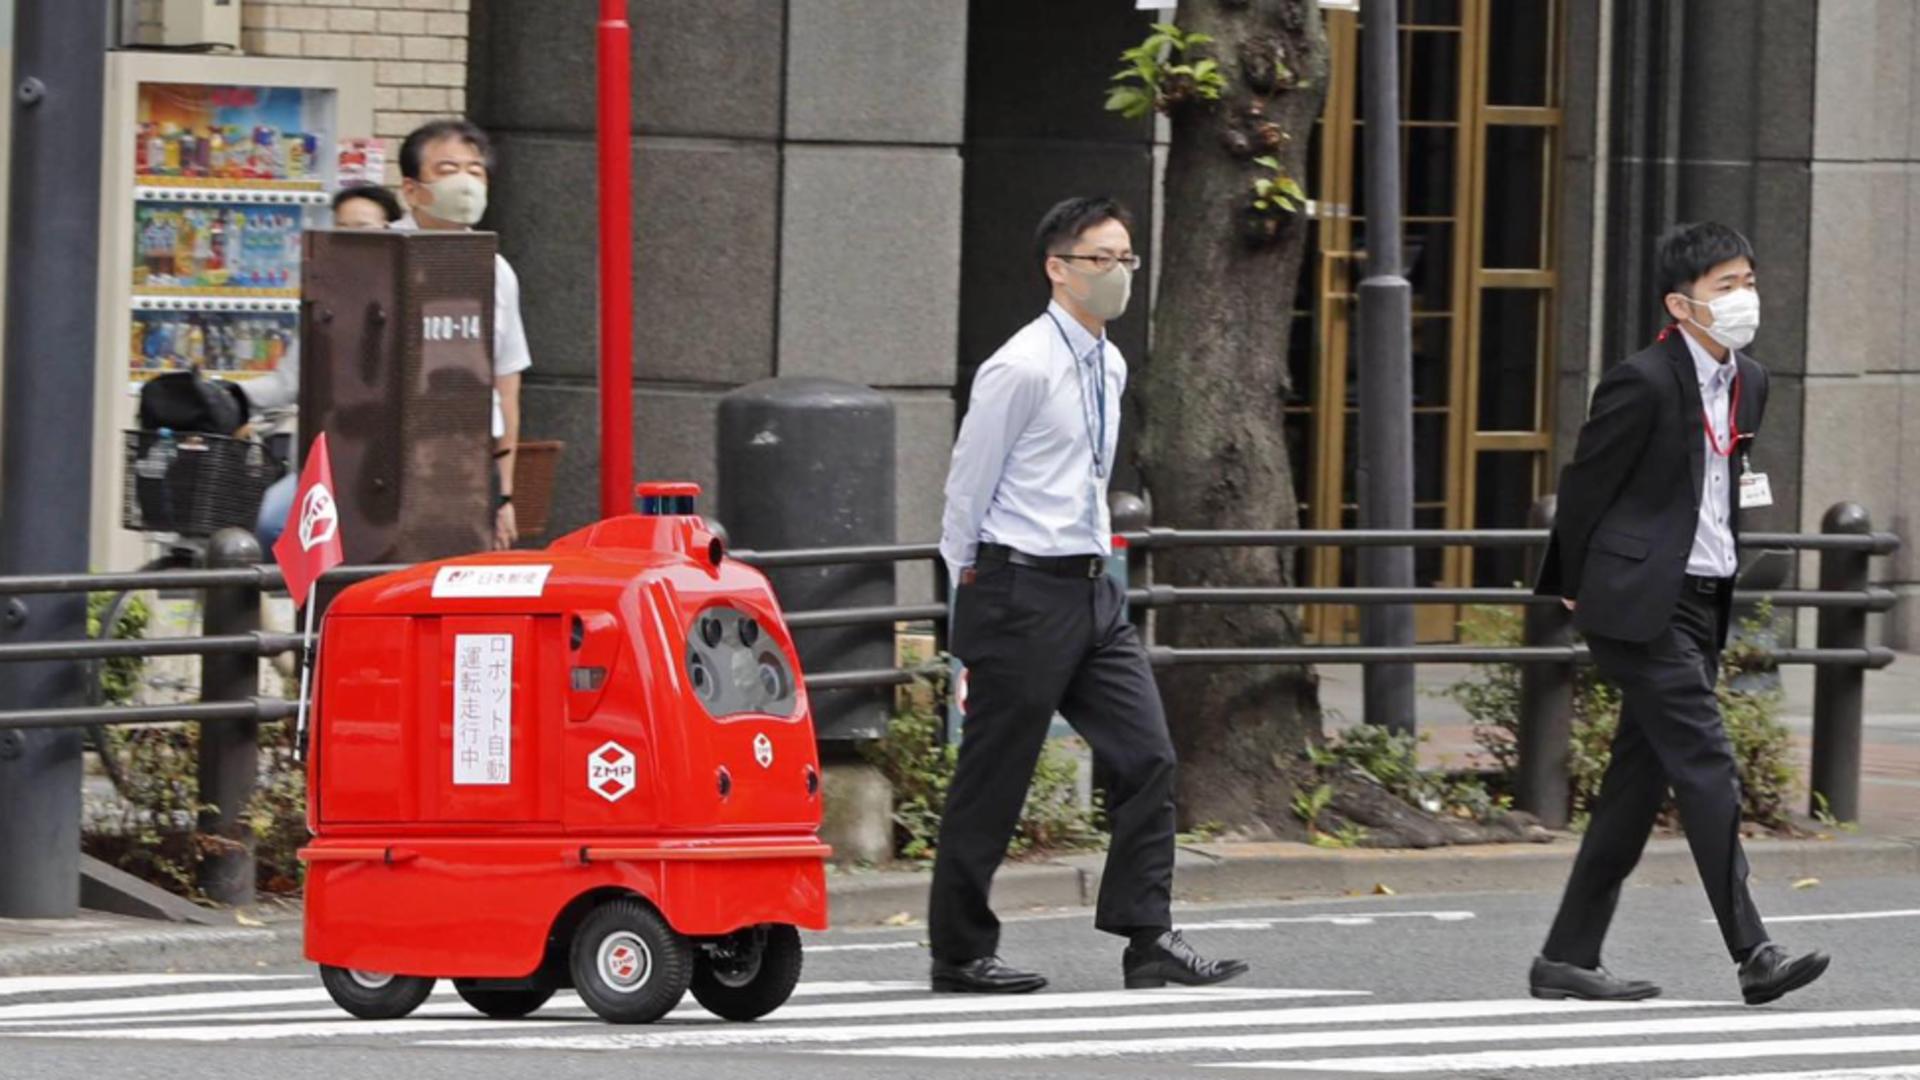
<point x="1552" y="980"/>
<point x="1171" y="960"/>
<point x="1770" y="972"/>
<point x="986" y="975"/>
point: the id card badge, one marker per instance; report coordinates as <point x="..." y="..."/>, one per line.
<point x="1755" y="492"/>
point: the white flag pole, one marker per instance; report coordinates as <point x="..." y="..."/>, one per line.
<point x="306" y="670"/>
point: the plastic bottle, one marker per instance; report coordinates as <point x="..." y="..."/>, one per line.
<point x="183" y="265"/>
<point x="203" y="263"/>
<point x="196" y="344"/>
<point x="217" y="246"/>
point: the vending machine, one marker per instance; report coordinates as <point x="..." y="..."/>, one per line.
<point x="214" y="167"/>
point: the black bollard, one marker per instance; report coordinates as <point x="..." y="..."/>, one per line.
<point x="809" y="463"/>
<point x="1839" y="693"/>
<point x="1542" y="787"/>
<point x="229" y="751"/>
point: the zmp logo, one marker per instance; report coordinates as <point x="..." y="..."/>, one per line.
<point x="610" y="771"/>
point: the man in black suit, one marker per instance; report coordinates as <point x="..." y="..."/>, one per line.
<point x="1643" y="553"/>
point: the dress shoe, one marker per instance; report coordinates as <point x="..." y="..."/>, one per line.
<point x="986" y="975"/>
<point x="1552" y="980"/>
<point x="1169" y="959"/>
<point x="1769" y="972"/>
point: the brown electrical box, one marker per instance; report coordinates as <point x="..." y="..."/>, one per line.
<point x="397" y="368"/>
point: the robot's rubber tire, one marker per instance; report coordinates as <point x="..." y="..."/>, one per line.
<point x="501" y="1004"/>
<point x="372" y="996"/>
<point x="753" y="993"/>
<point x="628" y="965"/>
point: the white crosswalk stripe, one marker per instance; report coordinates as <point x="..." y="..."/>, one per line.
<point x="1281" y="1031"/>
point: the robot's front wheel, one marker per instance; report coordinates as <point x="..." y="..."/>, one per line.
<point x="746" y="975"/>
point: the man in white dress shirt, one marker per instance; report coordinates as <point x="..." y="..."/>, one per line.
<point x="445" y="166"/>
<point x="1041" y="627"/>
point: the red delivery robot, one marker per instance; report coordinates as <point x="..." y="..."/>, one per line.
<point x="591" y="766"/>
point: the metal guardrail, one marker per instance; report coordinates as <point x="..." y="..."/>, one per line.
<point x="1547" y="657"/>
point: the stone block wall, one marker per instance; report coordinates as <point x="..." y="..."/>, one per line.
<point x="797" y="211"/>
<point x="1796" y="123"/>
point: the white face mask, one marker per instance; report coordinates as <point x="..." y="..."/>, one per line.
<point x="1107" y="294"/>
<point x="1736" y="317"/>
<point x="460" y="198"/>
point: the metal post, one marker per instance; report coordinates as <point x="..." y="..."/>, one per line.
<point x="1386" y="377"/>
<point x="229" y="752"/>
<point x="1838" y="692"/>
<point x="46" y="481"/>
<point x="616" y="260"/>
<point x="1543" y="787"/>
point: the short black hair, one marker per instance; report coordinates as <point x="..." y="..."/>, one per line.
<point x="1688" y="251"/>
<point x="412" y="150"/>
<point x="373" y="193"/>
<point x="1063" y="224"/>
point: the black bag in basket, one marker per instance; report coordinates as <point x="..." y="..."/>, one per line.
<point x="187" y="402"/>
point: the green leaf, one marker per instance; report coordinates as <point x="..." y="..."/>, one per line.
<point x="1268" y="162"/>
<point x="1199" y="39"/>
<point x="1262" y="204"/>
<point x="1288" y="185"/>
<point x="1205" y="68"/>
<point x="1130" y="101"/>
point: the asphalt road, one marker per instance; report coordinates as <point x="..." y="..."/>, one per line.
<point x="1418" y="986"/>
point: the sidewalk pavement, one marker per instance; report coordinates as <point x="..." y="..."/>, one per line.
<point x="1888" y="844"/>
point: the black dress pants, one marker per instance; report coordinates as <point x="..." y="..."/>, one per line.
<point x="1034" y="644"/>
<point x="1671" y="735"/>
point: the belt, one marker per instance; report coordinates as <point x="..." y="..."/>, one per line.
<point x="1089" y="567"/>
<point x="1713" y="586"/>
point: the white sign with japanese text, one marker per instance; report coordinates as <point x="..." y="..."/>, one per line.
<point x="467" y="582"/>
<point x="482" y="708"/>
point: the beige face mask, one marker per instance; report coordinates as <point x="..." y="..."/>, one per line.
<point x="1107" y="294"/>
<point x="460" y="198"/>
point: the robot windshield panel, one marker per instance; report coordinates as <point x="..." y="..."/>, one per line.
<point x="735" y="669"/>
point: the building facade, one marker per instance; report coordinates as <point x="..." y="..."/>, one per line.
<point x="847" y="188"/>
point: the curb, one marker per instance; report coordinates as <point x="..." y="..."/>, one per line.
<point x="1202" y="873"/>
<point x="1280" y="871"/>
<point x="127" y="946"/>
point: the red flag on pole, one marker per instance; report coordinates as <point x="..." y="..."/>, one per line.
<point x="310" y="544"/>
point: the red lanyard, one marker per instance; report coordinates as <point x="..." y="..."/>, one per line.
<point x="1733" y="421"/>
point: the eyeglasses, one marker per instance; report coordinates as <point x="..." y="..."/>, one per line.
<point x="1104" y="262"/>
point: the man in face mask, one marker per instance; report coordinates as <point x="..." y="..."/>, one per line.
<point x="1041" y="627"/>
<point x="445" y="167"/>
<point x="1644" y="554"/>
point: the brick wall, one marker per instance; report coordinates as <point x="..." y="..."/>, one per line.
<point x="419" y="48"/>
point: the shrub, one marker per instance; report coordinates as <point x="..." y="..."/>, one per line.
<point x="1392" y="760"/>
<point x="919" y="765"/>
<point x="1491" y="698"/>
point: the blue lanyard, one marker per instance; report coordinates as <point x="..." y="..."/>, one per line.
<point x="1099" y="442"/>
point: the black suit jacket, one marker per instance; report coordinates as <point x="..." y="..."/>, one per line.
<point x="1629" y="501"/>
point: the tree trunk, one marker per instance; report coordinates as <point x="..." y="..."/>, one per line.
<point x="1212" y="445"/>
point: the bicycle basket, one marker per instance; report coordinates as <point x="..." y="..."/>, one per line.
<point x="193" y="484"/>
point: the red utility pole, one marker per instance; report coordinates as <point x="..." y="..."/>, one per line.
<point x="616" y="260"/>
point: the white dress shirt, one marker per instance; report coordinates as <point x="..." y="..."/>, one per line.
<point x="1713" y="551"/>
<point x="1023" y="470"/>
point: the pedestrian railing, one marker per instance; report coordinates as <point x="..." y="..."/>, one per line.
<point x="231" y="637"/>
